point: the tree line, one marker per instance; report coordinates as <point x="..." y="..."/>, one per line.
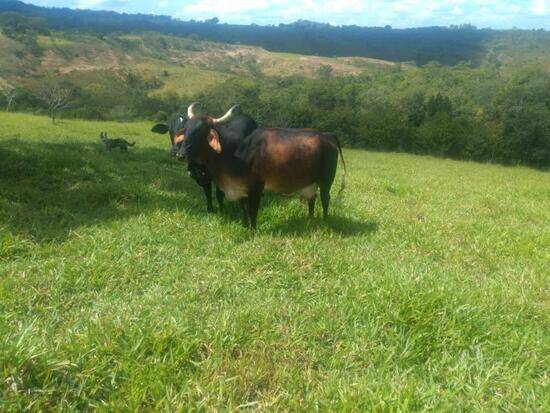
<point x="463" y="113"/>
<point x="455" y="112"/>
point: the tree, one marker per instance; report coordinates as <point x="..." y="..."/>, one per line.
<point x="56" y="99"/>
<point x="9" y="94"/>
<point x="253" y="66"/>
<point x="325" y="71"/>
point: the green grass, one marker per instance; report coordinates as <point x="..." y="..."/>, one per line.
<point x="427" y="290"/>
<point x="49" y="42"/>
<point x="187" y="79"/>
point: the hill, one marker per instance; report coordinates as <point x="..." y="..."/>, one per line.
<point x="421" y="45"/>
<point x="445" y="45"/>
<point x="172" y="62"/>
<point x="426" y="290"/>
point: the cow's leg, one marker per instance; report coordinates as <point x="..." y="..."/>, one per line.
<point x="325" y="200"/>
<point x="328" y="173"/>
<point x="254" y="196"/>
<point x="311" y="205"/>
<point x="246" y="211"/>
<point x="220" y="196"/>
<point x="207" y="188"/>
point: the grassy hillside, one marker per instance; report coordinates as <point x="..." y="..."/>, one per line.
<point x="188" y="66"/>
<point x="518" y="47"/>
<point x="93" y="51"/>
<point x="426" y="290"/>
<point x="179" y="64"/>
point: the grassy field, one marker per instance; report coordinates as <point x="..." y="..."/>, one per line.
<point x="427" y="290"/>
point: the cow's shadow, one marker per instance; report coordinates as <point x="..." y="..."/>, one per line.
<point x="339" y="224"/>
<point x="293" y="219"/>
<point x="48" y="190"/>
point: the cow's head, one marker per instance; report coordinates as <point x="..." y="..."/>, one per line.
<point x="175" y="128"/>
<point x="200" y="134"/>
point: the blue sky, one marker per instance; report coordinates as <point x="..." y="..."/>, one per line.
<point x="499" y="14"/>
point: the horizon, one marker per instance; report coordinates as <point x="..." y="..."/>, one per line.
<point x="402" y="14"/>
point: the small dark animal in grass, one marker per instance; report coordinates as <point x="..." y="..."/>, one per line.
<point x="120" y="143"/>
<point x="278" y="160"/>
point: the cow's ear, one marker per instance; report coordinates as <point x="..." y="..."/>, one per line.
<point x="214" y="141"/>
<point x="161" y="128"/>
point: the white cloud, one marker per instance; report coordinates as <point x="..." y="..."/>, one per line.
<point x="342" y="6"/>
<point x="397" y="13"/>
<point x="538" y="7"/>
<point x="86" y="4"/>
<point x="96" y="4"/>
<point x="227" y="6"/>
<point x="457" y="11"/>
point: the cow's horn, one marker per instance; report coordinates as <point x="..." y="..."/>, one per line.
<point x="225" y="117"/>
<point x="190" y="110"/>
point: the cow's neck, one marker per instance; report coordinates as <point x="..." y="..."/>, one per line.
<point x="213" y="161"/>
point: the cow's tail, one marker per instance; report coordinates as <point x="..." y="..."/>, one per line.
<point x="344" y="172"/>
<point x="128" y="143"/>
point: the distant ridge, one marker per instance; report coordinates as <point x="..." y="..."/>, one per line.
<point x="440" y="44"/>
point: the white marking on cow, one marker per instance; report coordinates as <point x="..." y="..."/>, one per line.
<point x="308" y="192"/>
<point x="233" y="188"/>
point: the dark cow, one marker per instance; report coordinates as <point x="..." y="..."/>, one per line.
<point x="279" y="160"/>
<point x="239" y="127"/>
<point x="174" y="125"/>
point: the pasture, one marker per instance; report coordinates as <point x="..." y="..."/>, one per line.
<point x="427" y="289"/>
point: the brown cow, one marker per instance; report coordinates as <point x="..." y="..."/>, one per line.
<point x="278" y="160"/>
